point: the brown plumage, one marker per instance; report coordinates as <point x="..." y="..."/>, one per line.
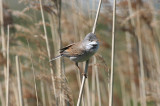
<point x="80" y="51"/>
<point x="74" y="49"/>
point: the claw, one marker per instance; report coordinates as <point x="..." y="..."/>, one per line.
<point x="85" y="75"/>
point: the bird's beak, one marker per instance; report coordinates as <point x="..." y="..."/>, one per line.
<point x="96" y="41"/>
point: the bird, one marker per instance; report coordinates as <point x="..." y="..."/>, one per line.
<point x="80" y="51"/>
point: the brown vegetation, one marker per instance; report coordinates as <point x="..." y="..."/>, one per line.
<point x="36" y="37"/>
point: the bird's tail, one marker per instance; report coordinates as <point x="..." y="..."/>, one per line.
<point x="55" y="58"/>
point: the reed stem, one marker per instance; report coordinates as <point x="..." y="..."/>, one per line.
<point x="19" y="82"/>
<point x="87" y="62"/>
<point x="47" y="45"/>
<point x="7" y="76"/>
<point x="34" y="76"/>
<point x="82" y="85"/>
<point x="112" y="55"/>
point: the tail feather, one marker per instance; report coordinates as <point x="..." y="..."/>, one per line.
<point x="55" y="58"/>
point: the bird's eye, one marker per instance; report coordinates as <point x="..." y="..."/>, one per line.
<point x="91" y="40"/>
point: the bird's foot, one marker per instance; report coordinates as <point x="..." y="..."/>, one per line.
<point x="85" y="75"/>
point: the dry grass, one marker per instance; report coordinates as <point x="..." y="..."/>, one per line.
<point x="51" y="24"/>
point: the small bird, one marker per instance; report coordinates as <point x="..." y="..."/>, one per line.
<point x="80" y="51"/>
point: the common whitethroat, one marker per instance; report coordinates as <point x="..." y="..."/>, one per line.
<point x="80" y="51"/>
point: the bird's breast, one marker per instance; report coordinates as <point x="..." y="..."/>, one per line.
<point x="82" y="57"/>
<point x="85" y="56"/>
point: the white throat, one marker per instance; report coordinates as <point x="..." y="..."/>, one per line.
<point x="92" y="46"/>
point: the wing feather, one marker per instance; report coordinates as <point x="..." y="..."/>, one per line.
<point x="74" y="49"/>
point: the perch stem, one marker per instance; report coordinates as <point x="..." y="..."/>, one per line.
<point x="87" y="62"/>
<point x="112" y="55"/>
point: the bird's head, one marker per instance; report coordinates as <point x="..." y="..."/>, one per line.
<point x="91" y="41"/>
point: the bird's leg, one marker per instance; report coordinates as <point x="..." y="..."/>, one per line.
<point x="76" y="63"/>
<point x="81" y="70"/>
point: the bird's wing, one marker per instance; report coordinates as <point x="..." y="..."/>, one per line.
<point x="65" y="48"/>
<point x="72" y="50"/>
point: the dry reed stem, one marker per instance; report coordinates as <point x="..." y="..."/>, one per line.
<point x="87" y="62"/>
<point x="15" y="92"/>
<point x="112" y="54"/>
<point x="97" y="14"/>
<point x="93" y="83"/>
<point x="43" y="94"/>
<point x="131" y="69"/>
<point x="155" y="51"/>
<point x="25" y="102"/>
<point x="19" y="81"/>
<point x="61" y="62"/>
<point x="141" y="76"/>
<point x="94" y="68"/>
<point x="2" y="29"/>
<point x="82" y="84"/>
<point x="48" y="49"/>
<point x="34" y="75"/>
<point x="7" y="76"/>
<point x="55" y="44"/>
<point x="2" y="96"/>
<point x="87" y="93"/>
<point x="78" y="76"/>
<point x="45" y="31"/>
<point x="97" y="81"/>
<point x="130" y="59"/>
<point x="125" y="99"/>
<point x="49" y="96"/>
<point x="3" y="41"/>
<point x="123" y="90"/>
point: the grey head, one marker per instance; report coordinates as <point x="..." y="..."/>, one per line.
<point x="90" y="37"/>
<point x="90" y="43"/>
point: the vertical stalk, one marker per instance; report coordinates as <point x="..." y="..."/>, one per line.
<point x="142" y="78"/>
<point x="15" y="93"/>
<point x="93" y="82"/>
<point x="98" y="86"/>
<point x="97" y="15"/>
<point x="49" y="97"/>
<point x="7" y="76"/>
<point x="34" y="76"/>
<point x="87" y="93"/>
<point x="19" y="82"/>
<point x="131" y="68"/>
<point x="25" y="102"/>
<point x="43" y="94"/>
<point x="82" y="85"/>
<point x="2" y="29"/>
<point x="48" y="49"/>
<point x="122" y="84"/>
<point x="87" y="62"/>
<point x="45" y="30"/>
<point x="62" y="65"/>
<point x="130" y="59"/>
<point x="2" y="96"/>
<point x="112" y="58"/>
<point x="3" y="42"/>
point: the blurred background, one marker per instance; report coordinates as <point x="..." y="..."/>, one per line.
<point x="32" y="32"/>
